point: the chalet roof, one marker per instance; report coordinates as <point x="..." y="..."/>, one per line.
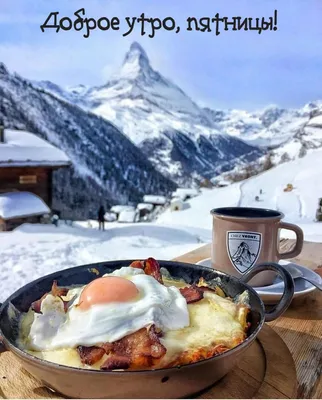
<point x="145" y="206"/>
<point x="186" y="192"/>
<point x="21" y="204"/>
<point x="157" y="200"/>
<point x="21" y="148"/>
<point x="119" y="208"/>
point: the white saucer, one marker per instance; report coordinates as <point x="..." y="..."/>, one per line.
<point x="272" y="293"/>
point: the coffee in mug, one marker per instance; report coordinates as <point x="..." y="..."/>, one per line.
<point x="243" y="237"/>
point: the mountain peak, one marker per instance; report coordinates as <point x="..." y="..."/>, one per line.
<point x="136" y="47"/>
<point x="3" y="69"/>
<point x="136" y="62"/>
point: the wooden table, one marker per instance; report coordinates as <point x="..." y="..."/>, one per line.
<point x="300" y="326"/>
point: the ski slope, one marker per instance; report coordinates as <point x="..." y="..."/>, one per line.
<point x="299" y="205"/>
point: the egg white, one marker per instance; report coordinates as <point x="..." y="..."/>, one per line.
<point x="156" y="304"/>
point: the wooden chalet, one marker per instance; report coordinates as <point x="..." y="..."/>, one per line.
<point x="27" y="163"/>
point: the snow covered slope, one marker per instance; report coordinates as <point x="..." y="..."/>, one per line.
<point x="290" y="132"/>
<point x="107" y="166"/>
<point x="304" y="133"/>
<point x="299" y="205"/>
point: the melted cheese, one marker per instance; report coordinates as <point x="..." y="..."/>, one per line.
<point x="213" y="320"/>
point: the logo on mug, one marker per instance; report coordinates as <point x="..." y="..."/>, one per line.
<point x="243" y="249"/>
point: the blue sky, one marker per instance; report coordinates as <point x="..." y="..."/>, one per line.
<point x="233" y="70"/>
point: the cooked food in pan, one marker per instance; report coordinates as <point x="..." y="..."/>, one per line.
<point x="134" y="318"/>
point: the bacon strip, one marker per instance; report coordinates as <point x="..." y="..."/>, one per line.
<point x="55" y="291"/>
<point x="203" y="285"/>
<point x="139" y="349"/>
<point x="137" y="264"/>
<point x="157" y="348"/>
<point x="90" y="355"/>
<point x="152" y="268"/>
<point x="108" y="347"/>
<point x="36" y="305"/>
<point x="192" y="293"/>
<point x="116" y="362"/>
<point x="66" y="304"/>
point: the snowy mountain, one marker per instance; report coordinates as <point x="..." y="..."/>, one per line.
<point x="173" y="131"/>
<point x="107" y="166"/>
<point x="177" y="135"/>
<point x="185" y="141"/>
<point x="307" y="136"/>
<point x="71" y="94"/>
<point x="284" y="130"/>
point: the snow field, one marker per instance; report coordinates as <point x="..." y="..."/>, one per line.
<point x="32" y="251"/>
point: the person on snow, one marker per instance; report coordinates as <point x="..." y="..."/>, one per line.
<point x="101" y="219"/>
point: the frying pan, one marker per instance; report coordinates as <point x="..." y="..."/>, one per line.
<point x="175" y="382"/>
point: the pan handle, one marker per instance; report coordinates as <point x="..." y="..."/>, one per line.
<point x="288" y="293"/>
<point x="2" y="346"/>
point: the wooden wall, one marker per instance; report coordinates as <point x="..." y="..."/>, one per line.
<point x="3" y="226"/>
<point x="10" y="177"/>
<point x="15" y="222"/>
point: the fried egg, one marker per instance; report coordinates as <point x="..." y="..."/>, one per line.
<point x="108" y="309"/>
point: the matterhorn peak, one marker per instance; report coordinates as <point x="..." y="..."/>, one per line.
<point x="136" y="52"/>
<point x="3" y="69"/>
<point x="136" y="62"/>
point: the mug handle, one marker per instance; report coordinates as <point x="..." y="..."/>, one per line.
<point x="287" y="296"/>
<point x="299" y="241"/>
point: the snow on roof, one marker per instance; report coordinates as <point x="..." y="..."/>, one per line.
<point x="160" y="200"/>
<point x="185" y="192"/>
<point x="145" y="206"/>
<point x="21" y="204"/>
<point x="22" y="148"/>
<point x="119" y="208"/>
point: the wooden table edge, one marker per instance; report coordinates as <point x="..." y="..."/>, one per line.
<point x="282" y="349"/>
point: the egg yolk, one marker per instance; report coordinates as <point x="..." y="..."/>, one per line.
<point x="107" y="290"/>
